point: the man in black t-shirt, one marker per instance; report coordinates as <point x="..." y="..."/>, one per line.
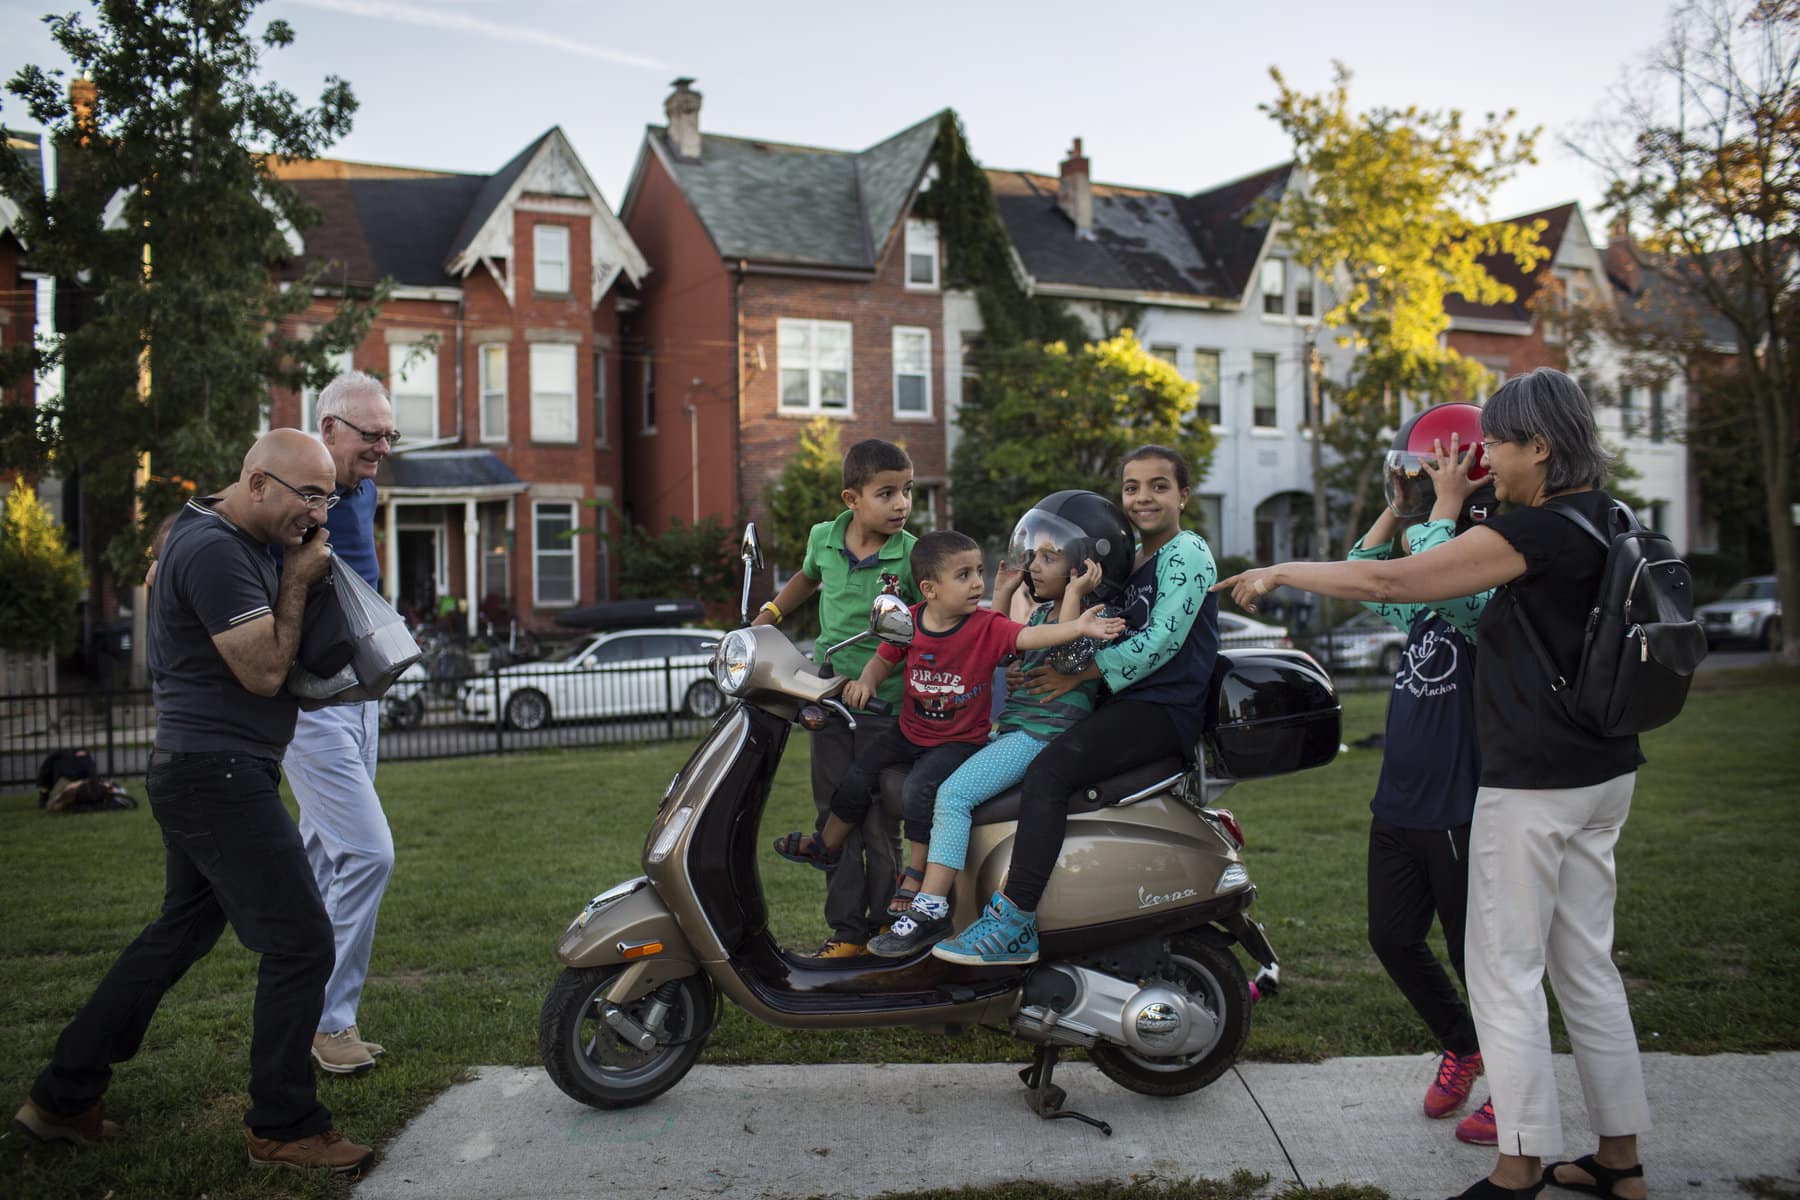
<point x="225" y="630"/>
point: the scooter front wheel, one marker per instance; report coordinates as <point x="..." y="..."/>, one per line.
<point x="595" y="1063"/>
<point x="1212" y="976"/>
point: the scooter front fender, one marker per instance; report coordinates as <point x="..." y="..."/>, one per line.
<point x="623" y="926"/>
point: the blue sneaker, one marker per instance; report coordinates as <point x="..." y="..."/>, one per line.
<point x="1004" y="935"/>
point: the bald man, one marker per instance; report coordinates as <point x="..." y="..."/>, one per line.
<point x="225" y="628"/>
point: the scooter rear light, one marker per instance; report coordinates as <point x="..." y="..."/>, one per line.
<point x="1230" y="824"/>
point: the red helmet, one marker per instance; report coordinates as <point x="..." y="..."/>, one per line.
<point x="1408" y="487"/>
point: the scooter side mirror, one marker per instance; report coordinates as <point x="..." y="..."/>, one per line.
<point x="891" y="620"/>
<point x="750" y="550"/>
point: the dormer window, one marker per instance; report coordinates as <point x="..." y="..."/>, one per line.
<point x="922" y="255"/>
<point x="550" y="258"/>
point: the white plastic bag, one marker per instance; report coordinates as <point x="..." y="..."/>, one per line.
<point x="383" y="646"/>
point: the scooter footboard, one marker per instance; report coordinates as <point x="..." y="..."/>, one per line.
<point x="635" y="928"/>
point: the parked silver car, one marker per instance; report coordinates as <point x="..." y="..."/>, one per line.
<point x="1363" y="643"/>
<point x="1749" y="612"/>
<point x="633" y="672"/>
<point x="1239" y="633"/>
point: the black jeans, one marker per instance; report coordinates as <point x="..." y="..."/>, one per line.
<point x="856" y="894"/>
<point x="1120" y="735"/>
<point x="1415" y="874"/>
<point x="931" y="765"/>
<point x="232" y="854"/>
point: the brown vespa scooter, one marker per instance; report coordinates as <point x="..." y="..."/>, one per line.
<point x="1136" y="928"/>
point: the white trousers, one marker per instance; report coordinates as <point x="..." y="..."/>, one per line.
<point x="331" y="766"/>
<point x="1541" y="894"/>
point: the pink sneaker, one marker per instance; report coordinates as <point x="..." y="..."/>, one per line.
<point x="1478" y="1128"/>
<point x="1455" y="1076"/>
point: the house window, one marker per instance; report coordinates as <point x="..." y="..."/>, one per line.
<point x="552" y="393"/>
<point x="649" y="391"/>
<point x="1657" y="428"/>
<point x="553" y="546"/>
<point x="550" y="258"/>
<point x="1305" y="293"/>
<point x="912" y="372"/>
<point x="493" y="392"/>
<point x="1659" y="516"/>
<point x="1209" y="406"/>
<point x="1169" y="354"/>
<point x="1627" y="417"/>
<point x="496" y="550"/>
<point x="814" y="357"/>
<point x="413" y="385"/>
<point x="309" y="395"/>
<point x="1262" y="413"/>
<point x="921" y="254"/>
<point x="1274" y="286"/>
<point x="599" y="397"/>
<point x="1212" y="523"/>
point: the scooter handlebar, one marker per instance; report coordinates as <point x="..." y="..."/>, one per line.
<point x="879" y="707"/>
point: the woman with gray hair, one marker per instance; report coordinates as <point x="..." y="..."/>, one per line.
<point x="1553" y="798"/>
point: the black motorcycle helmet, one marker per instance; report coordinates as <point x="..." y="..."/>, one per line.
<point x="1079" y="525"/>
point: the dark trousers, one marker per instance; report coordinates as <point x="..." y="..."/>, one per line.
<point x="1120" y="735"/>
<point x="232" y="854"/>
<point x="929" y="766"/>
<point x="856" y="893"/>
<point x="1414" y="875"/>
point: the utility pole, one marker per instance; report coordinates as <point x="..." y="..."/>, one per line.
<point x="1315" y="367"/>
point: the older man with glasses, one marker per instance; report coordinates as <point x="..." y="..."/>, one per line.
<point x="331" y="761"/>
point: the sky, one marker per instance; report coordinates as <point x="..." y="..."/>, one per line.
<point x="1164" y="93"/>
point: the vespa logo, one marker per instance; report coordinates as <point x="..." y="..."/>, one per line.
<point x="1149" y="899"/>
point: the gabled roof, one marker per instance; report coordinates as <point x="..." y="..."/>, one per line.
<point x="1657" y="299"/>
<point x="1145" y="242"/>
<point x="28" y="148"/>
<point x="431" y="228"/>
<point x="1505" y="269"/>
<point x="799" y="205"/>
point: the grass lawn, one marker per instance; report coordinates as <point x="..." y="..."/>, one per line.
<point x="496" y="855"/>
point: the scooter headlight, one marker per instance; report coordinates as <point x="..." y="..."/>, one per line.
<point x="736" y="657"/>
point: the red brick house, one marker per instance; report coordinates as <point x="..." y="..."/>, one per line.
<point x="500" y="347"/>
<point x="18" y="283"/>
<point x="788" y="282"/>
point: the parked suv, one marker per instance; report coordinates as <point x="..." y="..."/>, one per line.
<point x="1749" y="612"/>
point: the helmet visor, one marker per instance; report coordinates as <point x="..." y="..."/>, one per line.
<point x="1046" y="545"/>
<point x="1407" y="486"/>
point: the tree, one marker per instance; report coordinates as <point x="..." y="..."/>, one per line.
<point x="684" y="560"/>
<point x="1700" y="148"/>
<point x="1380" y="208"/>
<point x="169" y="228"/>
<point x="1046" y="417"/>
<point x="42" y="596"/>
<point x="805" y="493"/>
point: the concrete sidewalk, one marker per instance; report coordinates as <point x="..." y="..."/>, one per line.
<point x="859" y="1131"/>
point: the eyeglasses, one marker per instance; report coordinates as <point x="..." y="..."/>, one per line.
<point x="1488" y="444"/>
<point x="314" y="501"/>
<point x="371" y="436"/>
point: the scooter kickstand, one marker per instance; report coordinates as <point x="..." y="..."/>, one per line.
<point x="1045" y="1098"/>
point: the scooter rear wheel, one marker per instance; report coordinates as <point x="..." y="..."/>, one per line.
<point x="1212" y="976"/>
<point x="590" y="1062"/>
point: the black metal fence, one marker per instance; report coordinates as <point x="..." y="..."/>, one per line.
<point x="529" y="707"/>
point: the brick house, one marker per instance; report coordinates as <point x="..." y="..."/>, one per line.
<point x="18" y="282"/>
<point x="788" y="282"/>
<point x="500" y="346"/>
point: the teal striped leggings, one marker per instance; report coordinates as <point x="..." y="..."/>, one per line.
<point x="993" y="768"/>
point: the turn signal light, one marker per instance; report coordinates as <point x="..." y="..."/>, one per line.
<point x="1230" y="823"/>
<point x="641" y="950"/>
<point x="812" y="717"/>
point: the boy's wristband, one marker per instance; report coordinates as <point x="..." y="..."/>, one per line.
<point x="774" y="610"/>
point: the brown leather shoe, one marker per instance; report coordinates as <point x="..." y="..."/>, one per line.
<point x="86" y="1129"/>
<point x="327" y="1151"/>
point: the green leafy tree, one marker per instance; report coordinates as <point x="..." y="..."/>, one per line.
<point x="168" y="227"/>
<point x="1380" y="209"/>
<point x="698" y="561"/>
<point x="41" y="600"/>
<point x="1700" y="147"/>
<point x="806" y="492"/>
<point x="1047" y="417"/>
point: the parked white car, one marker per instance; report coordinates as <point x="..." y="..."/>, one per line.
<point x="1239" y="632"/>
<point x="630" y="672"/>
<point x="1750" y="611"/>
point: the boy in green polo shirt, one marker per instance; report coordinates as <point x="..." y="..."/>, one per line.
<point x="849" y="561"/>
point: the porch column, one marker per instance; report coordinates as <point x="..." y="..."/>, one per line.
<point x="471" y="564"/>
<point x="390" y="570"/>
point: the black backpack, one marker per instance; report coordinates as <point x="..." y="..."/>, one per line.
<point x="1642" y="642"/>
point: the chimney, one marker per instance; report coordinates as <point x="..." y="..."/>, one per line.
<point x="84" y="99"/>
<point x="683" y="110"/>
<point x="1075" y="192"/>
<point x="1621" y="256"/>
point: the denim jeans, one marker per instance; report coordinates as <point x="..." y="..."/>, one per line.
<point x="232" y="855"/>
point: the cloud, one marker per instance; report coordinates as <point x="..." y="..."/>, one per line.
<point x="439" y="18"/>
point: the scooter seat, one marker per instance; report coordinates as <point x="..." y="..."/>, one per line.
<point x="1150" y="777"/>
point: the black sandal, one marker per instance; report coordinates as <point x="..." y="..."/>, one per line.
<point x="807" y="848"/>
<point x="1487" y="1189"/>
<point x="1604" y="1177"/>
